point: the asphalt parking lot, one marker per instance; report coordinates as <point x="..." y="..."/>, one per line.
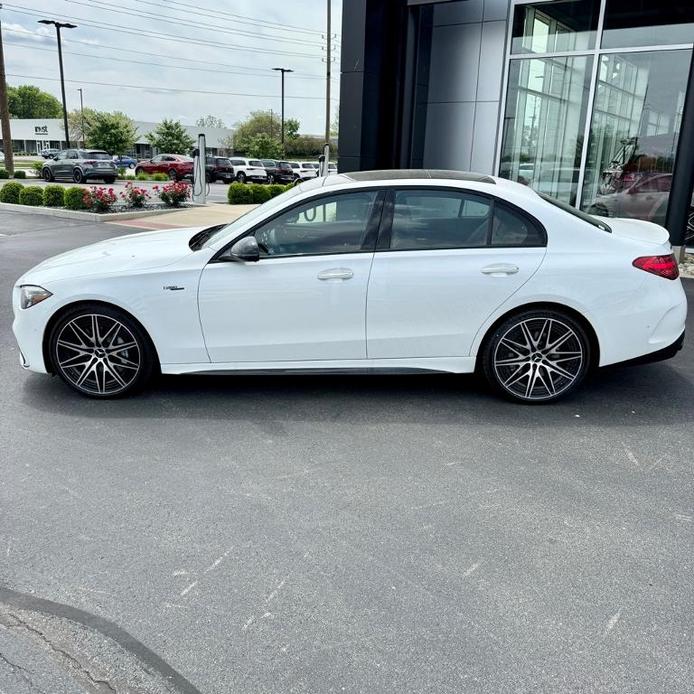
<point x="341" y="534"/>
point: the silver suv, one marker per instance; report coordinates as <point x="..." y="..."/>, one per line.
<point x="80" y="165"/>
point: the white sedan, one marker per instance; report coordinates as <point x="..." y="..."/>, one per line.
<point x="390" y="271"/>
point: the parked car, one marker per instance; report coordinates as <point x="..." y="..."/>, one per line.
<point x="80" y="165"/>
<point x="310" y="165"/>
<point x="303" y="172"/>
<point x="285" y="173"/>
<point x="248" y="170"/>
<point x="175" y="166"/>
<point x="450" y="280"/>
<point x="49" y="152"/>
<point x="124" y="161"/>
<point x="270" y="166"/>
<point x="219" y="169"/>
<point x="332" y="167"/>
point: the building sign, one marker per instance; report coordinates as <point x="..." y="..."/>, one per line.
<point x="40" y="130"/>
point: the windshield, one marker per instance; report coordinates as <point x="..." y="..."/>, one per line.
<point x="95" y="155"/>
<point x="576" y="213"/>
<point x="262" y="210"/>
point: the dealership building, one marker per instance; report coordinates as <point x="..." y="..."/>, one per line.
<point x="591" y="101"/>
<point x="33" y="135"/>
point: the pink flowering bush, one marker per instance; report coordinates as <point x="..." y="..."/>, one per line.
<point x="99" y="199"/>
<point x="173" y="194"/>
<point x="133" y="196"/>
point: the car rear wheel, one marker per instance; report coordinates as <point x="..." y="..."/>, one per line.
<point x="48" y="175"/>
<point x="536" y="356"/>
<point x="173" y="176"/>
<point x="241" y="177"/>
<point x="77" y="176"/>
<point x="101" y="352"/>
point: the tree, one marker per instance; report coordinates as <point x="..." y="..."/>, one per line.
<point x="265" y="122"/>
<point x="262" y="146"/>
<point x="115" y="132"/>
<point x="304" y="146"/>
<point x="27" y="101"/>
<point x="170" y="136"/>
<point x="74" y="124"/>
<point x="210" y="122"/>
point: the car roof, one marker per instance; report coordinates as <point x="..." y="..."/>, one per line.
<point x="405" y="174"/>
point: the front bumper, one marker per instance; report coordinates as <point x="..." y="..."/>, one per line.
<point x="29" y="326"/>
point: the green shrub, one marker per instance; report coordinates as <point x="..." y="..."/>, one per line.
<point x="74" y="198"/>
<point x="159" y="177"/>
<point x="37" y="166"/>
<point x="142" y="176"/>
<point x="121" y="172"/>
<point x="10" y="192"/>
<point x="53" y="196"/>
<point x="20" y="173"/>
<point x="260" y="193"/>
<point x="276" y="189"/>
<point x="31" y="195"/>
<point x="4" y="173"/>
<point x="240" y="194"/>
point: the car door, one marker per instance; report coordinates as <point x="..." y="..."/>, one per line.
<point x="446" y="259"/>
<point x="305" y="299"/>
<point x="63" y="166"/>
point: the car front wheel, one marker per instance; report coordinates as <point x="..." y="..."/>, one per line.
<point x="48" y="175"/>
<point x="77" y="176"/>
<point x="536" y="356"/>
<point x="100" y="352"/>
<point x="241" y="177"/>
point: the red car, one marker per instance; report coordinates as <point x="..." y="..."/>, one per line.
<point x="175" y="166"/>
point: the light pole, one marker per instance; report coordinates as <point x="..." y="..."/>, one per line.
<point x="58" y="26"/>
<point x="282" y="70"/>
<point x="84" y="144"/>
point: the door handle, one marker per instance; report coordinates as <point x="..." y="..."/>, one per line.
<point x="500" y="269"/>
<point x="336" y="273"/>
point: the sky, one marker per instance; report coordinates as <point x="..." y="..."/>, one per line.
<point x="217" y="54"/>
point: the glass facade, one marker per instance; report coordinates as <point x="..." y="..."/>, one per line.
<point x="594" y="102"/>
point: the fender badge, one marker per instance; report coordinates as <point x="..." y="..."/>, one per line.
<point x="173" y="288"/>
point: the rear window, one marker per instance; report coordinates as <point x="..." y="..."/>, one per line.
<point x="95" y="154"/>
<point x="584" y="216"/>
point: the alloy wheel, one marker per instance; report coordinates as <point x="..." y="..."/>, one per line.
<point x="538" y="358"/>
<point x="98" y="354"/>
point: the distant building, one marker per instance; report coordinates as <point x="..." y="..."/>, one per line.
<point x="33" y="135"/>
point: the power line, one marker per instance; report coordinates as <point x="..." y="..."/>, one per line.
<point x="241" y="19"/>
<point x="155" y="88"/>
<point x="265" y="73"/>
<point x="187" y="23"/>
<point x="159" y="35"/>
<point x="101" y="47"/>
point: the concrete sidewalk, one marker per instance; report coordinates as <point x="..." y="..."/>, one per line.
<point x="190" y="217"/>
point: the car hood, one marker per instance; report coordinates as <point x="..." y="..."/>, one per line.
<point x="130" y="253"/>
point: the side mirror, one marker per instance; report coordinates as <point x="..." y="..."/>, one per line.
<point x="245" y="249"/>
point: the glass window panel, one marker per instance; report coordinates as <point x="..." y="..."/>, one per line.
<point x="549" y="27"/>
<point x="544" y="123"/>
<point x="632" y="147"/>
<point x="434" y="219"/>
<point x="631" y="23"/>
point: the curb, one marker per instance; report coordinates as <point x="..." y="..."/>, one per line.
<point x="92" y="216"/>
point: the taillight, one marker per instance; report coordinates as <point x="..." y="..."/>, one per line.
<point x="90" y="161"/>
<point x="661" y="265"/>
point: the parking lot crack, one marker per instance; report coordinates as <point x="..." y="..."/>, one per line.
<point x="22" y="671"/>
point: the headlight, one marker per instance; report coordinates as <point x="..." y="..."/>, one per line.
<point x="32" y="295"/>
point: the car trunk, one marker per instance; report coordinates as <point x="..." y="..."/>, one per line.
<point x="637" y="230"/>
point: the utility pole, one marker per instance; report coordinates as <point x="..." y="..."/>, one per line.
<point x="84" y="144"/>
<point x="5" y="111"/>
<point x="282" y="70"/>
<point x="327" y="77"/>
<point x="58" y="26"/>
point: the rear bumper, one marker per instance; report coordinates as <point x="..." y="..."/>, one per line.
<point x="660" y="355"/>
<point x="99" y="173"/>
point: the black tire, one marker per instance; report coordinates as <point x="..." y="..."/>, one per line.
<point x="536" y="356"/>
<point x="270" y="179"/>
<point x="77" y="176"/>
<point x="241" y="177"/>
<point x="138" y="171"/>
<point x="48" y="175"/>
<point x="105" y="356"/>
<point x="172" y="174"/>
<point x="109" y="180"/>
